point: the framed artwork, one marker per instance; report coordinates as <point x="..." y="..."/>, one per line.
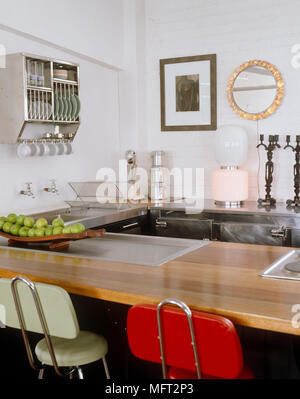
<point x="188" y="91"/>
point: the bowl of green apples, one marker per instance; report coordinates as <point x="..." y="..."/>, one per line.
<point x="25" y="229"/>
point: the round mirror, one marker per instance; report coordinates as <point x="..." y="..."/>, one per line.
<point x="255" y="89"/>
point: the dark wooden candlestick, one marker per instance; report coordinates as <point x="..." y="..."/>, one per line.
<point x="268" y="201"/>
<point x="296" y="149"/>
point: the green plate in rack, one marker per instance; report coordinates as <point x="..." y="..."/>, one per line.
<point x="78" y="106"/>
<point x="61" y="108"/>
<point x="56" y="107"/>
<point x="74" y="106"/>
<point x="66" y="109"/>
<point x="70" y="109"/>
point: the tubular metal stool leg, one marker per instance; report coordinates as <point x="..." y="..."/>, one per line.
<point x="80" y="373"/>
<point x="71" y="374"/>
<point x="106" y="368"/>
<point x="41" y="374"/>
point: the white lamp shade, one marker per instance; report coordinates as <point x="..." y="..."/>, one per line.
<point x="231" y="145"/>
<point x="230" y="185"/>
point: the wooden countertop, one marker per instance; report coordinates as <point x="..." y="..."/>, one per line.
<point x="220" y="278"/>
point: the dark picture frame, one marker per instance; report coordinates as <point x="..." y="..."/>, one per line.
<point x="187" y="93"/>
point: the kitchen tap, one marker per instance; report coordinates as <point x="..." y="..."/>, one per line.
<point x="52" y="189"/>
<point x="132" y="164"/>
<point x="28" y="192"/>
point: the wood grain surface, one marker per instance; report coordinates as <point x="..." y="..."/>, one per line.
<point x="221" y="278"/>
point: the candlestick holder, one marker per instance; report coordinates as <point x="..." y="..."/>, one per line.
<point x="296" y="169"/>
<point x="268" y="201"/>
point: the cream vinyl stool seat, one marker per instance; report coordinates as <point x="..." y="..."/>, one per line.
<point x="48" y="309"/>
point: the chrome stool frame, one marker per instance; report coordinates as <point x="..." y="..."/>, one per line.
<point x="188" y="313"/>
<point x="43" y="325"/>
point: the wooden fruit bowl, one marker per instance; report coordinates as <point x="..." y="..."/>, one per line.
<point x="56" y="242"/>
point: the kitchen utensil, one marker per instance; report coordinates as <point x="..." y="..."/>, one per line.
<point x="28" y="72"/>
<point x="60" y="148"/>
<point x="74" y="106"/>
<point x="60" y="74"/>
<point x="69" y="117"/>
<point x="33" y="73"/>
<point x="23" y="150"/>
<point x="157" y="158"/>
<point x="40" y="149"/>
<point x="50" y="149"/>
<point x="61" y="108"/>
<point x="66" y="109"/>
<point x="68" y="148"/>
<point x="71" y="75"/>
<point x="40" y="74"/>
<point x="78" y="107"/>
<point x="56" y="107"/>
<point x="159" y="188"/>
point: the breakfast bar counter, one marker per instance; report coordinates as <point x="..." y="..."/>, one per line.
<point x="221" y="278"/>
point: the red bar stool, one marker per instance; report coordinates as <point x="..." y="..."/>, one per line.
<point x="187" y="344"/>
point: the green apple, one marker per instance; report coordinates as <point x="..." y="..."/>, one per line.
<point x="31" y="232"/>
<point x="2" y="222"/>
<point x="77" y="228"/>
<point x="67" y="230"/>
<point x="14" y="230"/>
<point x="12" y="217"/>
<point x="49" y="231"/>
<point x="57" y="230"/>
<point x="58" y="222"/>
<point x="39" y="232"/>
<point x="7" y="227"/>
<point x="28" y="222"/>
<point x="20" y="220"/>
<point x="42" y="222"/>
<point x="23" y="232"/>
<point x="82" y="227"/>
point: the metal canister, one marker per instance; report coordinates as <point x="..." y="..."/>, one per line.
<point x="157" y="158"/>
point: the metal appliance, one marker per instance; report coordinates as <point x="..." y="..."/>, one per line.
<point x="287" y="267"/>
<point x="159" y="186"/>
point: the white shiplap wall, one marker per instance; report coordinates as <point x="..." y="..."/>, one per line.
<point x="236" y="31"/>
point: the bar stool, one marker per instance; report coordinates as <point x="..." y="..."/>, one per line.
<point x="191" y="344"/>
<point x="48" y="310"/>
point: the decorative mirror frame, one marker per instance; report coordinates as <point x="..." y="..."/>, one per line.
<point x="280" y="90"/>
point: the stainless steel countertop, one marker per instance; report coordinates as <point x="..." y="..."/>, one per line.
<point x="249" y="207"/>
<point x="94" y="214"/>
<point x="124" y="248"/>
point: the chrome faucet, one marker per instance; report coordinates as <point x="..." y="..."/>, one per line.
<point x="131" y="165"/>
<point x="28" y="192"/>
<point x="52" y="189"/>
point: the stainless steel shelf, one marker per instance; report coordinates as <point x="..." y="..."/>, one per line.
<point x="40" y="120"/>
<point x="37" y="107"/>
<point x="39" y="88"/>
<point x="68" y="82"/>
<point x="65" y="122"/>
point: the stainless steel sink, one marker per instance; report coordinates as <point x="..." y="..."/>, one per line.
<point x="94" y="214"/>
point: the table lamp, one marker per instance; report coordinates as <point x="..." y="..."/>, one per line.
<point x="230" y="184"/>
